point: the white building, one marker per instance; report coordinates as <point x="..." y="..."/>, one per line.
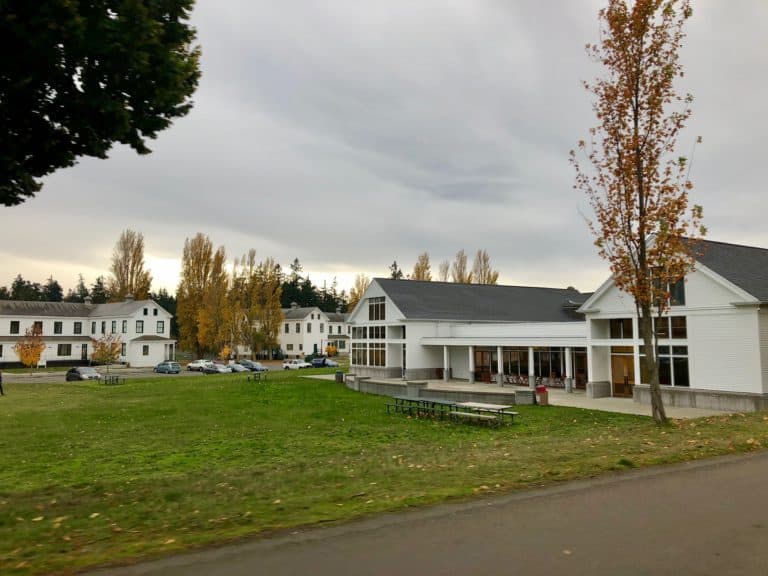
<point x="68" y="330"/>
<point x="713" y="342"/>
<point x="309" y="330"/>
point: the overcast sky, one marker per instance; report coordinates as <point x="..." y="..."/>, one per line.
<point x="350" y="134"/>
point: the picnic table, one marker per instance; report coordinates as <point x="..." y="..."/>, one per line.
<point x="469" y="411"/>
<point x="422" y="406"/>
<point x="497" y="411"/>
<point x="256" y="376"/>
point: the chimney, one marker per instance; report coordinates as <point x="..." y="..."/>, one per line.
<point x="294" y="305"/>
<point x="87" y="300"/>
<point x="129" y="298"/>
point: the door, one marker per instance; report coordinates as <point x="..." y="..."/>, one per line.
<point x="84" y="352"/>
<point x="622" y="375"/>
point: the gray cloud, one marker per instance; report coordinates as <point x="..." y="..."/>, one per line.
<point x="349" y="134"/>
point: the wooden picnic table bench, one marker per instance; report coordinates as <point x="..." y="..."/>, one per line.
<point x="256" y="377"/>
<point x="112" y="380"/>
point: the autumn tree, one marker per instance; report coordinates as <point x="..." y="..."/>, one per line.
<point x="358" y="288"/>
<point x="211" y="333"/>
<point x="444" y="271"/>
<point x="30" y="348"/>
<point x="266" y="311"/>
<point x="106" y="350"/>
<point x="482" y="271"/>
<point x="395" y="272"/>
<point x="422" y="269"/>
<point x="459" y="271"/>
<point x="636" y="184"/>
<point x="78" y="77"/>
<point x="128" y="275"/>
<point x="196" y="265"/>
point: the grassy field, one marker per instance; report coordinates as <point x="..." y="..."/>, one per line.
<point x="93" y="474"/>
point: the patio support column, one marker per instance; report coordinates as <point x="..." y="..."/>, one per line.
<point x="471" y="364"/>
<point x="531" y="368"/>
<point x="500" y="365"/>
<point x="446" y="363"/>
<point x="569" y="369"/>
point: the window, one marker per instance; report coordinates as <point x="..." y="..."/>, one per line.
<point x="338" y="329"/>
<point x="146" y="311"/>
<point x="301" y="347"/>
<point x="377" y="332"/>
<point x="14" y="326"/>
<point x="287" y="328"/>
<point x="1" y="350"/>
<point x="360" y="332"/>
<point x="359" y="354"/>
<point x="160" y="326"/>
<point x="103" y="326"/>
<point x="289" y="347"/>
<point x="114" y="327"/>
<point x="313" y="317"/>
<point x="322" y="327"/>
<point x="677" y="293"/>
<point x="621" y="328"/>
<point x="309" y="327"/>
<point x="377" y="355"/>
<point x="37" y="327"/>
<point x="671" y="327"/>
<point x="125" y="326"/>
<point x="93" y="327"/>
<point x="140" y="327"/>
<point x="154" y="311"/>
<point x="673" y="366"/>
<point x="78" y="328"/>
<point x="58" y="327"/>
<point x="298" y="327"/>
<point x="123" y="349"/>
<point x="64" y="350"/>
<point x="145" y="350"/>
<point x="341" y="345"/>
<point x="376" y="308"/>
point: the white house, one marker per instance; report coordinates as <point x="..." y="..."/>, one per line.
<point x="713" y="342"/>
<point x="309" y="330"/>
<point x="68" y="329"/>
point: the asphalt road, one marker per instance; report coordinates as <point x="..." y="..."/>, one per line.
<point x="693" y="519"/>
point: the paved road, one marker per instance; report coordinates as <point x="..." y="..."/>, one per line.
<point x="695" y="519"/>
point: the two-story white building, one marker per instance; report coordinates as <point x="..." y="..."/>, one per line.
<point x="68" y="330"/>
<point x="309" y="330"/>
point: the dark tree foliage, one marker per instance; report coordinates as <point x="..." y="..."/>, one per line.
<point x="99" y="291"/>
<point x="80" y="293"/>
<point x="4" y="293"/>
<point x="25" y="290"/>
<point x="395" y="272"/>
<point x="297" y="288"/>
<point x="77" y="77"/>
<point x="52" y="291"/>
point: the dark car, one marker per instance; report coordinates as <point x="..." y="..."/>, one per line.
<point x="319" y="362"/>
<point x="82" y="373"/>
<point x="253" y="366"/>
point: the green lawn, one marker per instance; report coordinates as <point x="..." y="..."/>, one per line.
<point x="92" y="474"/>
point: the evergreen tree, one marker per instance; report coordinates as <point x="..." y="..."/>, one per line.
<point x="52" y="291"/>
<point x="99" y="292"/>
<point x="168" y="302"/>
<point x="25" y="290"/>
<point x="4" y="293"/>
<point x="394" y="271"/>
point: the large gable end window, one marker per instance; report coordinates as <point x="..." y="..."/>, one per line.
<point x="376" y="308"/>
<point x="677" y="293"/>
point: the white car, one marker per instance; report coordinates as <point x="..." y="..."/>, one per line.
<point x="216" y="368"/>
<point x="198" y="365"/>
<point x="296" y="364"/>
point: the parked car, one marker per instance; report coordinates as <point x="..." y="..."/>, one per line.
<point x="216" y="368"/>
<point x="198" y="365"/>
<point x="331" y="363"/>
<point x="168" y="368"/>
<point x="252" y="366"/>
<point x="238" y="368"/>
<point x="323" y="362"/>
<point x="296" y="364"/>
<point x="82" y="373"/>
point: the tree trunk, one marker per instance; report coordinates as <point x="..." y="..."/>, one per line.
<point x="652" y="364"/>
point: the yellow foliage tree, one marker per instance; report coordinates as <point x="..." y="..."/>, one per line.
<point x="331" y="350"/>
<point x="30" y="348"/>
<point x="422" y="269"/>
<point x="106" y="350"/>
<point x="358" y="288"/>
<point x="128" y="275"/>
<point x="196" y="264"/>
<point x="482" y="271"/>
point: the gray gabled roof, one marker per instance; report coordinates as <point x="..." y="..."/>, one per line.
<point x="297" y="313"/>
<point x="744" y="266"/>
<point x="74" y="309"/>
<point x="419" y="300"/>
<point x="336" y="316"/>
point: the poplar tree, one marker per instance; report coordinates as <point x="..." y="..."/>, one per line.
<point x="128" y="275"/>
<point x="636" y="183"/>
<point x="422" y="269"/>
